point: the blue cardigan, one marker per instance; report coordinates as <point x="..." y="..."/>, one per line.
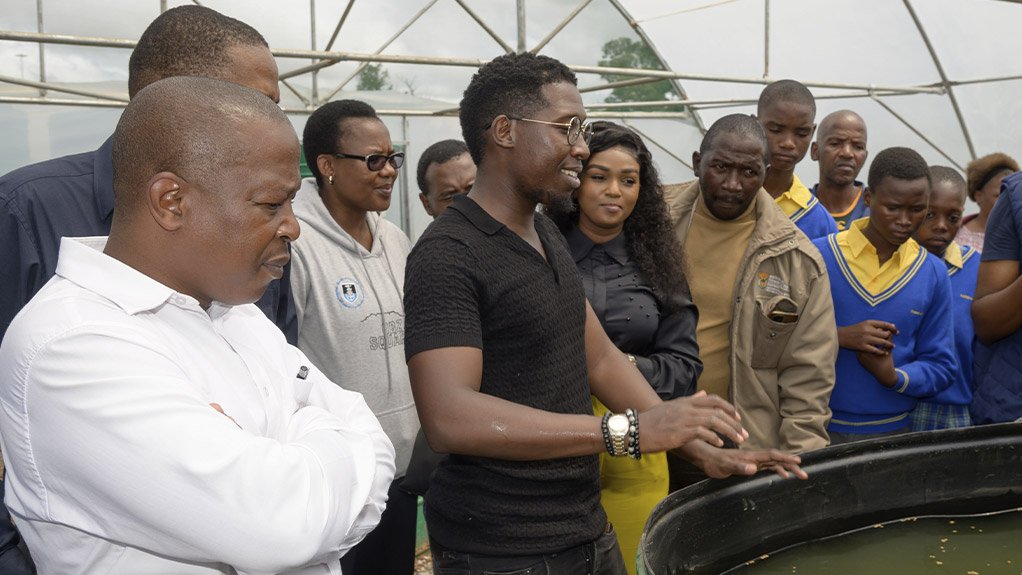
<point x="918" y="304"/>
<point x="814" y="220"/>
<point x="963" y="287"/>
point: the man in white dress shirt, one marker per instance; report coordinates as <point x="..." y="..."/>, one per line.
<point x="152" y="419"/>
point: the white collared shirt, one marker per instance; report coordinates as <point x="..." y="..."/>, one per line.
<point x="117" y="463"/>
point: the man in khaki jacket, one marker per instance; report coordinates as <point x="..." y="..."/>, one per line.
<point x="766" y="327"/>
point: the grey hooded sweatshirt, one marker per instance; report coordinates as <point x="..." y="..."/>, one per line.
<point x="351" y="313"/>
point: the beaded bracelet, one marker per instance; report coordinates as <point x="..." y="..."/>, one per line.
<point x="633" y="434"/>
<point x="606" y="434"/>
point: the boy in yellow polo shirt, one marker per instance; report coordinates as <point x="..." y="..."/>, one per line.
<point x="787" y="112"/>
<point x="892" y="304"/>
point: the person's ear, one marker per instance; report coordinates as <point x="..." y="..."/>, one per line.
<point x="165" y="200"/>
<point x="867" y="196"/>
<point x="695" y="162"/>
<point x="502" y="131"/>
<point x="425" y="204"/>
<point x="814" y="152"/>
<point x="326" y="167"/>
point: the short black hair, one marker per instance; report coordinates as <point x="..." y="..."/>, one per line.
<point x="510" y="84"/>
<point x="785" y="91"/>
<point x="439" y="153"/>
<point x="900" y="163"/>
<point x="325" y="128"/>
<point x="739" y="125"/>
<point x="184" y="125"/>
<point x="187" y="41"/>
<point x="948" y="175"/>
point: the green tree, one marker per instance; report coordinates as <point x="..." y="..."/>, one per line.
<point x="624" y="52"/>
<point x="373" y="78"/>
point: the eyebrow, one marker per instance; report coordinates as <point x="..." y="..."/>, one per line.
<point x="606" y="169"/>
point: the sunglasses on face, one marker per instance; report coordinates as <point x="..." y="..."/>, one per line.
<point x="375" y="162"/>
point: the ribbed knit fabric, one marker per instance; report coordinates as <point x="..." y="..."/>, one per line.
<point x="919" y="305"/>
<point x="472" y="282"/>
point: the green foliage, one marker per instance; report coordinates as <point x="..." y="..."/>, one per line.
<point x="374" y="78"/>
<point x="624" y="52"/>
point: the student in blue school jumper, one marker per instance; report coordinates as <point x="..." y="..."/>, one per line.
<point x="950" y="408"/>
<point x="787" y="112"/>
<point x="892" y="299"/>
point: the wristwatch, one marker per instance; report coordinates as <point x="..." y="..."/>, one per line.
<point x="617" y="427"/>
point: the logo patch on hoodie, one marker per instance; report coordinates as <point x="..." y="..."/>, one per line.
<point x="349" y="292"/>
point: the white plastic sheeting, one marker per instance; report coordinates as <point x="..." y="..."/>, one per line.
<point x="862" y="43"/>
<point x="723" y="51"/>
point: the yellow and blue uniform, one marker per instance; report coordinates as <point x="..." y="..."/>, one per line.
<point x="910" y="290"/>
<point x="805" y="211"/>
<point x="856" y="211"/>
<point x="950" y="408"/>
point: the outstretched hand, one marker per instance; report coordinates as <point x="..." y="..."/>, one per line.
<point x="720" y="463"/>
<point x="674" y="423"/>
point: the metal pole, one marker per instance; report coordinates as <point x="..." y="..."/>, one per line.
<point x="918" y="133"/>
<point x="18" y="36"/>
<point x="404" y="202"/>
<point x="49" y="101"/>
<point x="766" y="38"/>
<point x="521" y="25"/>
<point x="559" y="27"/>
<point x="337" y="29"/>
<point x="612" y="85"/>
<point x="396" y="35"/>
<point x="493" y="34"/>
<point x="42" y="53"/>
<point x="163" y="6"/>
<point x="312" y="41"/>
<point x="44" y="87"/>
<point x="657" y="144"/>
<point x="943" y="78"/>
<point x="678" y="88"/>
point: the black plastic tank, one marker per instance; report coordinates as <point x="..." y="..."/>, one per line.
<point x="717" y="525"/>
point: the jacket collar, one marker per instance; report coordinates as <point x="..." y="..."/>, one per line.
<point x="772" y="226"/>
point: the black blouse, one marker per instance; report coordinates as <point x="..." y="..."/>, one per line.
<point x="664" y="346"/>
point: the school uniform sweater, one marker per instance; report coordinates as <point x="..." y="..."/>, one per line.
<point x="805" y="211"/>
<point x="962" y="268"/>
<point x="918" y="303"/>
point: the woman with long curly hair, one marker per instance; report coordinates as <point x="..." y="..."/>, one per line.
<point x="621" y="237"/>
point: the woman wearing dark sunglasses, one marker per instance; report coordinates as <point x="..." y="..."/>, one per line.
<point x="348" y="282"/>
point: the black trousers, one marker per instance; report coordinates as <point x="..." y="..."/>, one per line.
<point x="390" y="548"/>
<point x="599" y="557"/>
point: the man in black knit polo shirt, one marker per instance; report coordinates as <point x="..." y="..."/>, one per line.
<point x="504" y="351"/>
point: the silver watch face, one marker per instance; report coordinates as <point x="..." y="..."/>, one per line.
<point x="617" y="424"/>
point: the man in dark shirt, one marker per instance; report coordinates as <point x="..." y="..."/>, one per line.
<point x="73" y="196"/>
<point x="503" y="350"/>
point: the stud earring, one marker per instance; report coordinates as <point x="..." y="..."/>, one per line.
<point x="330" y="179"/>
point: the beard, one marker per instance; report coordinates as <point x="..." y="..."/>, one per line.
<point x="561" y="203"/>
